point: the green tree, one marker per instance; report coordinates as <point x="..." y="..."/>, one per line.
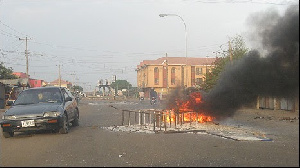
<point x="6" y="73"/>
<point x="121" y="84"/>
<point x="76" y="88"/>
<point x="238" y="50"/>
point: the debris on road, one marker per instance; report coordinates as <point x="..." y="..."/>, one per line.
<point x="223" y="131"/>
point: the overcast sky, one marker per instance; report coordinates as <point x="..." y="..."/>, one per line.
<point x="96" y="39"/>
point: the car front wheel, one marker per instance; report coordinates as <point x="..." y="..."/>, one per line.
<point x="65" y="125"/>
<point x="8" y="134"/>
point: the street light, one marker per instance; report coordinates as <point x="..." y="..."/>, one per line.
<point x="163" y="15"/>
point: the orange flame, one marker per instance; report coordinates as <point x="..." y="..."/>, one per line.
<point x="185" y="110"/>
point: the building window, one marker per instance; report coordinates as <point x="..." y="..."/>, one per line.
<point x="172" y="81"/>
<point x="156" y="82"/>
<point x="156" y="76"/>
<point x="173" y="70"/>
<point x="198" y="71"/>
<point x="173" y="76"/>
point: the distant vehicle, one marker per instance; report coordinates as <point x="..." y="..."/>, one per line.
<point x="77" y="96"/>
<point x="44" y="108"/>
<point x="153" y="100"/>
<point x="153" y="96"/>
<point x="141" y="95"/>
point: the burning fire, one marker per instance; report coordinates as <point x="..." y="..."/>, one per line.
<point x="185" y="110"/>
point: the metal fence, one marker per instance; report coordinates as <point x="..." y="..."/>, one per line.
<point x="159" y="120"/>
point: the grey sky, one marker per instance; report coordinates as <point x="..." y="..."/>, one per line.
<point x="95" y="39"/>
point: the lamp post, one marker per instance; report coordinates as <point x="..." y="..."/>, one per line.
<point x="163" y="15"/>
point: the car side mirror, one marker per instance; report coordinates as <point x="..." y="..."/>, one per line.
<point x="69" y="99"/>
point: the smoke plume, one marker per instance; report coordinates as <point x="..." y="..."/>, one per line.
<point x="274" y="74"/>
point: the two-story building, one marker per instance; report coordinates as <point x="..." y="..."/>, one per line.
<point x="166" y="73"/>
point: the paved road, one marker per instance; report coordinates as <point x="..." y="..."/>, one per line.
<point x="89" y="145"/>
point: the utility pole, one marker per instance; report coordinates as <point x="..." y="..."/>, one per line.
<point x="59" y="76"/>
<point x="26" y="55"/>
<point x="73" y="80"/>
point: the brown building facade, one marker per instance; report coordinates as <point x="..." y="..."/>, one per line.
<point x="166" y="73"/>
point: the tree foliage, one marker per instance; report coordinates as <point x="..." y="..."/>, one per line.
<point x="120" y="84"/>
<point x="238" y="50"/>
<point x="6" y="73"/>
<point x="76" y="88"/>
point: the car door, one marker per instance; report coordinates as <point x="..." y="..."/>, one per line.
<point x="74" y="102"/>
<point x="69" y="105"/>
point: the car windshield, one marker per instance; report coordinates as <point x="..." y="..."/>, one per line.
<point x="33" y="96"/>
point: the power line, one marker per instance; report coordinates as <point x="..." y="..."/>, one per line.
<point x="12" y="29"/>
<point x="8" y="34"/>
<point x="75" y="48"/>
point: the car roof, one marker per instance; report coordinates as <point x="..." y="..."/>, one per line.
<point x="41" y="88"/>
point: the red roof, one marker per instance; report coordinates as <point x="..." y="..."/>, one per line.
<point x="61" y="81"/>
<point x="179" y="61"/>
<point x="20" y="74"/>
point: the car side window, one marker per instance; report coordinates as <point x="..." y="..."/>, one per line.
<point x="65" y="94"/>
<point x="69" y="93"/>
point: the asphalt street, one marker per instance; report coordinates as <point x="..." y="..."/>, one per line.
<point x="89" y="145"/>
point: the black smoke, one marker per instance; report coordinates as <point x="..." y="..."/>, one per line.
<point x="274" y="74"/>
<point x="271" y="73"/>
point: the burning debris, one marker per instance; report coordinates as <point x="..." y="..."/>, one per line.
<point x="153" y="121"/>
<point x="185" y="107"/>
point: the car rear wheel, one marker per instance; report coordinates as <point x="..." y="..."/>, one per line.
<point x="8" y="134"/>
<point x="65" y="126"/>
